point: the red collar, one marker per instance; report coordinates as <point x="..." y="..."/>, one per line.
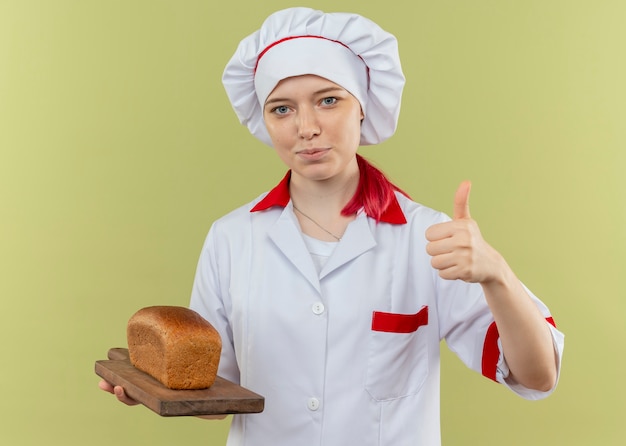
<point x="279" y="196"/>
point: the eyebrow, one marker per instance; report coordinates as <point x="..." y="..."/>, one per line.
<point x="315" y="93"/>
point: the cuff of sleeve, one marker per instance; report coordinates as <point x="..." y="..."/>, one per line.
<point x="502" y="369"/>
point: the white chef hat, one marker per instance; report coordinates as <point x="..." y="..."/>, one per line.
<point x="345" y="48"/>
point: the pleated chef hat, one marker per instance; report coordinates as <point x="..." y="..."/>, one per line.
<point x="345" y="48"/>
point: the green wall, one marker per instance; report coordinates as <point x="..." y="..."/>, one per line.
<point x="118" y="148"/>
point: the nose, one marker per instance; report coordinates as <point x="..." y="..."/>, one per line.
<point x="308" y="125"/>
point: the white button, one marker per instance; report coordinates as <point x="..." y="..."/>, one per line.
<point x="318" y="308"/>
<point x="313" y="404"/>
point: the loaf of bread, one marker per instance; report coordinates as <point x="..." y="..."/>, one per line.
<point x="175" y="345"/>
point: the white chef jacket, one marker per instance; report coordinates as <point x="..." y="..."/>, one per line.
<point x="350" y="355"/>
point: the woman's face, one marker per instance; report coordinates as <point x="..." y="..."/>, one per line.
<point x="315" y="126"/>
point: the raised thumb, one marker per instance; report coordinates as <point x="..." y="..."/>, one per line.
<point x="461" y="201"/>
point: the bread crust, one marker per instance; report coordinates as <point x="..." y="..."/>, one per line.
<point x="175" y="345"/>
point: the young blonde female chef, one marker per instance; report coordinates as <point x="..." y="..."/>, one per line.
<point x="333" y="291"/>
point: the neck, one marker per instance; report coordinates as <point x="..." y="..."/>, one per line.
<point x="328" y="195"/>
<point x="319" y="203"/>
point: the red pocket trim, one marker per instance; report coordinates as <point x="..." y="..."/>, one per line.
<point x="399" y="323"/>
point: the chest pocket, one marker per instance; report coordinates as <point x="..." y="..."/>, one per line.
<point x="398" y="354"/>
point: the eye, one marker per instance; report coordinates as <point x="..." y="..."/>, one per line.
<point x="329" y="101"/>
<point x="280" y="110"/>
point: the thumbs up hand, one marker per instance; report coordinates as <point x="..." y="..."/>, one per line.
<point x="457" y="247"/>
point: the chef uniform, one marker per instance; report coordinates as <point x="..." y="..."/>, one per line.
<point x="341" y="338"/>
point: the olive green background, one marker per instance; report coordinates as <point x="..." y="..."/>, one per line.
<point x="118" y="148"/>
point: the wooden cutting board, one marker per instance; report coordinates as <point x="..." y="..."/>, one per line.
<point x="222" y="398"/>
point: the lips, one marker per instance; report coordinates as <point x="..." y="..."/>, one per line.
<point x="313" y="154"/>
